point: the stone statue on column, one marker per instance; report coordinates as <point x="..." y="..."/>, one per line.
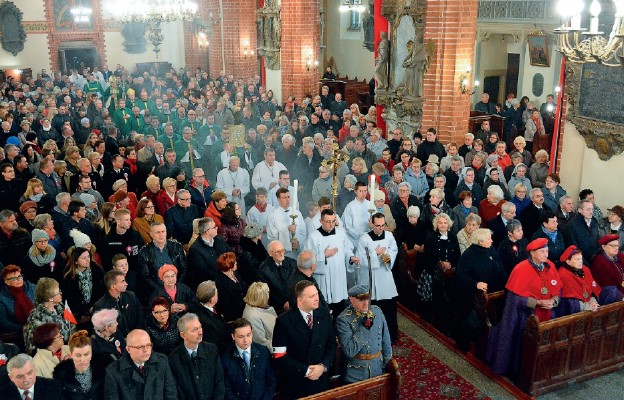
<point x="416" y="64"/>
<point x="383" y="58"/>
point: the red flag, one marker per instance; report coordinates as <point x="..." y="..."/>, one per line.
<point x="68" y="315"/>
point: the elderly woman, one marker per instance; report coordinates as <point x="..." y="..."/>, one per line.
<point x="231" y="287"/>
<point x="359" y="170"/>
<point x="83" y="282"/>
<point x="392" y="186"/>
<point x="145" y="217"/>
<point x="552" y="191"/>
<point x="382" y="207"/>
<point x="607" y="266"/>
<point x="479" y="269"/>
<point x="17" y="297"/>
<point x="346" y="193"/>
<point x="34" y="192"/>
<point x="435" y="207"/>
<point x="176" y="293"/>
<point x="72" y="154"/>
<point x="232" y="226"/>
<point x="216" y="206"/>
<point x="477" y="148"/>
<point x="106" y="340"/>
<point x="258" y="312"/>
<point x="520" y="147"/>
<point x="412" y="231"/>
<point x="51" y="348"/>
<point x="441" y="258"/>
<point x="467" y="182"/>
<point x="464" y="236"/>
<point x="580" y="291"/>
<point x="48" y="308"/>
<point x="512" y="249"/>
<point x="490" y="207"/>
<point x="539" y="169"/>
<point x="153" y="188"/>
<point x="520" y="198"/>
<point x="493" y="178"/>
<point x="402" y="202"/>
<point x="167" y="197"/>
<point x="161" y="325"/>
<point x="322" y="186"/>
<point x="614" y="224"/>
<point x="519" y="175"/>
<point x="82" y="376"/>
<point x="42" y="260"/>
<point x="253" y="252"/>
<point x="213" y="323"/>
<point x="461" y="211"/>
<point x="417" y="179"/>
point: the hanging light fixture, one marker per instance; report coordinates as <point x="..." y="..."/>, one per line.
<point x="153" y="13"/>
<point x="582" y="45"/>
<point x="81" y="14"/>
<point x="352" y="5"/>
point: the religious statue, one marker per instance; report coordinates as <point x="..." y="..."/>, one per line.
<point x="416" y="64"/>
<point x="383" y="55"/>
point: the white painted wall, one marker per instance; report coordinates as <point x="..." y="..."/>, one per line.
<point x="34" y="55"/>
<point x="581" y="168"/>
<point x="345" y="46"/>
<point x="33" y="9"/>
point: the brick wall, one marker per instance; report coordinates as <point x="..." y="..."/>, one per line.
<point x="300" y="35"/>
<point x="452" y="26"/>
<point x="239" y="21"/>
<point x="55" y="38"/>
<point x="195" y="56"/>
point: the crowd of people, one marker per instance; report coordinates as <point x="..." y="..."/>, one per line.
<point x="169" y="235"/>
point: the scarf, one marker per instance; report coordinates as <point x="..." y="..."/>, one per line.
<point x="538" y="124"/>
<point x="42" y="259"/>
<point x="132" y="164"/>
<point x="261" y="208"/>
<point x="85" y="282"/>
<point x="36" y="197"/>
<point x="552" y="236"/>
<point x="22" y="306"/>
<point x="577" y="272"/>
<point x="465" y="210"/>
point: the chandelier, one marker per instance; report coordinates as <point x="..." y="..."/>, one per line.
<point x="153" y="13"/>
<point x="582" y="45"/>
<point x="352" y="5"/>
<point x="81" y="14"/>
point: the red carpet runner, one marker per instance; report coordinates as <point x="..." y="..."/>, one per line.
<point x="427" y="378"/>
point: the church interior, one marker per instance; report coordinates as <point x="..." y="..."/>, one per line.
<point x="418" y="64"/>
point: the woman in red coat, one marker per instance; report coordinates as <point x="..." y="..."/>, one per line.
<point x="490" y="207"/>
<point x="580" y="291"/>
<point x="608" y="268"/>
<point x="167" y="197"/>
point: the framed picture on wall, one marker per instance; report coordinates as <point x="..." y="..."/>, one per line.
<point x="539" y="53"/>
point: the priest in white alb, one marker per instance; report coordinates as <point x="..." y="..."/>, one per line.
<point x="234" y="182"/>
<point x="280" y="225"/>
<point x="355" y="216"/>
<point x="266" y="173"/>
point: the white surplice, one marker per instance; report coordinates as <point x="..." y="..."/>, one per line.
<point x="264" y="175"/>
<point x="383" y="286"/>
<point x="277" y="229"/>
<point x="355" y="218"/>
<point x="227" y="181"/>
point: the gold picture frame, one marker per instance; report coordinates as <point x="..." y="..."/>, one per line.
<point x="539" y="51"/>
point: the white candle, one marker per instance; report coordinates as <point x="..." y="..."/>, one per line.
<point x="295" y="200"/>
<point x="371" y="192"/>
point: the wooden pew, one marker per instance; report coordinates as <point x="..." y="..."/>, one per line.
<point x="571" y="349"/>
<point x="489" y="306"/>
<point x="497" y="123"/>
<point x="383" y="387"/>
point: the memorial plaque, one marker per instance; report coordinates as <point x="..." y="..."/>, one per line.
<point x="601" y="93"/>
<point x="538" y="85"/>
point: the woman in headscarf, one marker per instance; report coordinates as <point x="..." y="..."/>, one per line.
<point x="176" y="293"/>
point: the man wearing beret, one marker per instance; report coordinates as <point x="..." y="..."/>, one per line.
<point x="534" y="287"/>
<point x="364" y="337"/>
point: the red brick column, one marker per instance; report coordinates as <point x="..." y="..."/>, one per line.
<point x="194" y="55"/>
<point x="452" y="25"/>
<point x="239" y="23"/>
<point x="301" y="31"/>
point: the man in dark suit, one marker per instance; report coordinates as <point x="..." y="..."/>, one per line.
<point x="247" y="366"/>
<point x="25" y="385"/>
<point x="118" y="171"/>
<point x="498" y="225"/>
<point x="140" y="373"/>
<point x="275" y="271"/>
<point x="531" y="215"/>
<point x="304" y="344"/>
<point x="195" y="364"/>
<point x="213" y="324"/>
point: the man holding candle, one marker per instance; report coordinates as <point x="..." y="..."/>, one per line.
<point x="281" y="225"/>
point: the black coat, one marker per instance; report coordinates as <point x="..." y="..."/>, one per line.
<point x="130" y="311"/>
<point x="108" y="349"/>
<point x="277" y="279"/>
<point x="530" y="218"/>
<point x="148" y="271"/>
<point x="214" y="326"/>
<point x="438" y="250"/>
<point x="50" y="387"/>
<point x="556" y="248"/>
<point x="252" y="255"/>
<point x="512" y="253"/>
<point x="13" y="250"/>
<point x="184" y="295"/>
<point x="202" y="261"/>
<point x="124" y="382"/>
<point x="10" y="193"/>
<point x="164" y="340"/>
<point x="304" y="347"/>
<point x="399" y="211"/>
<point x="499" y="230"/>
<point x="200" y="378"/>
<point x="65" y="374"/>
<point x="257" y="383"/>
<point x="179" y="221"/>
<point x="231" y="295"/>
<point x="583" y="237"/>
<point x="73" y="295"/>
<point x="294" y="278"/>
<point x="54" y="269"/>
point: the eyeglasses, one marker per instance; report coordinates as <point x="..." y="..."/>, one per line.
<point x="144" y="347"/>
<point x="379" y="226"/>
<point x="15" y="278"/>
<point x="613" y="245"/>
<point x="185" y="199"/>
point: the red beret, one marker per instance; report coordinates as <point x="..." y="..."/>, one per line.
<point x="26" y="205"/>
<point x="608" y="238"/>
<point x="537" y="244"/>
<point x="568" y="253"/>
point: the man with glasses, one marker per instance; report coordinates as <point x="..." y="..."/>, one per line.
<point x="275" y="271"/>
<point x="334" y="252"/>
<point x="179" y="218"/>
<point x="24" y="383"/>
<point x="200" y="190"/>
<point x="377" y="251"/>
<point x="203" y="254"/>
<point x="140" y="373"/>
